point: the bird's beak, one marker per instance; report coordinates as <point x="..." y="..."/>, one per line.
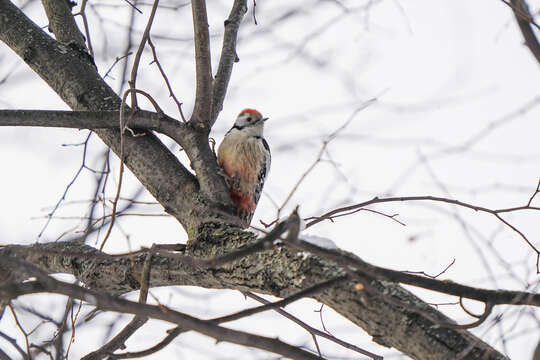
<point x="264" y="119"/>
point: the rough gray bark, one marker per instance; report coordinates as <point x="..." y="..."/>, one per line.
<point x="61" y="22"/>
<point x="278" y="272"/>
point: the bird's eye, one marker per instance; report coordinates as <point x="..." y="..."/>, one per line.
<point x="249" y="119"/>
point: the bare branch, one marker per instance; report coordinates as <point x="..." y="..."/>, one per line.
<point x="534" y="194"/>
<point x="94" y="120"/>
<point x="63" y="197"/>
<point x="495" y="212"/>
<point x="137" y="322"/>
<point x="521" y="9"/>
<point x="62" y="23"/>
<point x="432" y="276"/>
<point x="82" y="13"/>
<point x="21" y="328"/>
<point x="61" y="329"/>
<point x="203" y="95"/>
<point x="172" y="334"/>
<point x="315" y="331"/>
<point x="481" y="319"/>
<point x="116" y="61"/>
<point x="228" y="57"/>
<point x="13" y="343"/>
<point x="365" y="310"/>
<point x="525" y="20"/>
<point x="123" y="126"/>
<point x="76" y="81"/>
<point x="324" y="146"/>
<point x="310" y="291"/>
<point x="109" y="303"/>
<point x="350" y="263"/>
<point x="203" y="161"/>
<point x="133" y="80"/>
<point x="165" y="78"/>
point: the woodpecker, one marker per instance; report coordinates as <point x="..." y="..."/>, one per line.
<point x="244" y="156"/>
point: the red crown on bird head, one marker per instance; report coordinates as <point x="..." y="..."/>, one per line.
<point x="250" y="111"/>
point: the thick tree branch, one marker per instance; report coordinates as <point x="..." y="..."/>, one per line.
<point x="76" y="81"/>
<point x="278" y="272"/>
<point x="228" y="57"/>
<point x="204" y="162"/>
<point x="106" y="302"/>
<point x="62" y="23"/>
<point x="203" y="66"/>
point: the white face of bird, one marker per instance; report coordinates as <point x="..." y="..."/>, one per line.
<point x="250" y="119"/>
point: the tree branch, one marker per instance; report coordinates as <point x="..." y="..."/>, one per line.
<point x="94" y="120"/>
<point x="62" y="23"/>
<point x="137" y="322"/>
<point x="203" y="66"/>
<point x="203" y="161"/>
<point x="228" y="57"/>
<point x="277" y="272"/>
<point x="345" y="260"/>
<point x="136" y="60"/>
<point x="108" y="303"/>
<point x="315" y="331"/>
<point x="524" y="19"/>
<point x="76" y="81"/>
<point x="351" y="209"/>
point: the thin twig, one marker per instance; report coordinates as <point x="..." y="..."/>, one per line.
<point x="432" y="276"/>
<point x="325" y="143"/>
<point x="82" y="12"/>
<point x="133" y="80"/>
<point x="25" y="334"/>
<point x="133" y="6"/>
<point x="73" y="319"/>
<point x="63" y="197"/>
<point x="165" y="78"/>
<point x="317" y="288"/>
<point x="123" y="127"/>
<point x="376" y="200"/>
<point x="313" y="330"/>
<point x="534" y="194"/>
<point x="116" y="61"/>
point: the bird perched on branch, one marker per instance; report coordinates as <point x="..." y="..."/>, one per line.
<point x="244" y="156"/>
